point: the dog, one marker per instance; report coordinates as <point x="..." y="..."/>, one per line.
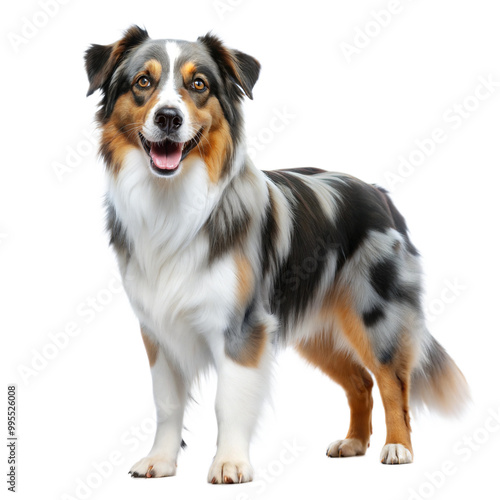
<point x="223" y="264"/>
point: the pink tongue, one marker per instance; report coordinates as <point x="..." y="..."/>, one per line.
<point x="166" y="156"/>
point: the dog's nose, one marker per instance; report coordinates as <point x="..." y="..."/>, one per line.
<point x="168" y="119"/>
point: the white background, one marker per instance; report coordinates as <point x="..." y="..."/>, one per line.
<point x="85" y="405"/>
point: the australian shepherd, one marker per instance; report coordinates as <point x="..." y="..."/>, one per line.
<point x="223" y="263"/>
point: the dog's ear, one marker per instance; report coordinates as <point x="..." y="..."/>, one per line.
<point x="241" y="68"/>
<point x="102" y="60"/>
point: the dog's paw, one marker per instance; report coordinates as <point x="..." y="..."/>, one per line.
<point x="154" y="466"/>
<point x="226" y="470"/>
<point x="394" y="454"/>
<point x="350" y="447"/>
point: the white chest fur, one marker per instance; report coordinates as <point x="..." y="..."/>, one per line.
<point x="180" y="300"/>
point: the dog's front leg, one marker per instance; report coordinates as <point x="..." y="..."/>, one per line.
<point x="170" y="395"/>
<point x="240" y="392"/>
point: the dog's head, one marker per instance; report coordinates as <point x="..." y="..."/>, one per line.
<point x="171" y="99"/>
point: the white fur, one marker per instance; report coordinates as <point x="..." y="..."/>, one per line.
<point x="170" y="395"/>
<point x="349" y="447"/>
<point x="240" y="393"/>
<point x="395" y="454"/>
<point x="326" y="194"/>
<point x="180" y="309"/>
<point x="169" y="97"/>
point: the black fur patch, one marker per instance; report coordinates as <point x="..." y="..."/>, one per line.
<point x="243" y="337"/>
<point x="117" y="234"/>
<point x="96" y="59"/>
<point x="360" y="211"/>
<point x="299" y="275"/>
<point x="269" y="235"/>
<point x="304" y="171"/>
<point x="372" y="317"/>
<point x="226" y="227"/>
<point x="387" y="354"/>
<point x="384" y="278"/>
<point x="236" y="334"/>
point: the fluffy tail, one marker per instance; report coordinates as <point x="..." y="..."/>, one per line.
<point x="436" y="382"/>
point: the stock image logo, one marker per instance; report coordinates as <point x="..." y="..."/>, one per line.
<point x="453" y="118"/>
<point x="32" y="24"/>
<point x="59" y="340"/>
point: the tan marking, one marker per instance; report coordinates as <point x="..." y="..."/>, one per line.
<point x="245" y="280"/>
<point x="187" y="71"/>
<point x="120" y="133"/>
<point x="219" y="145"/>
<point x="394" y="390"/>
<point x="216" y="144"/>
<point x="154" y="68"/>
<point x="353" y="328"/>
<point x="151" y="348"/>
<point x="354" y="378"/>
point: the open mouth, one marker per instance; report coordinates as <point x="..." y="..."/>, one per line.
<point x="166" y="156"/>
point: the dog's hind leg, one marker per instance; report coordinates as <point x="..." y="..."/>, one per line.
<point x="392" y="370"/>
<point x="394" y="386"/>
<point x="342" y="368"/>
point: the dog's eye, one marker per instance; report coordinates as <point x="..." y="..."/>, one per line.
<point x="199" y="85"/>
<point x="143" y="82"/>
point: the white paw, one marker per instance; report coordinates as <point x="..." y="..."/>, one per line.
<point x="226" y="470"/>
<point x="394" y="454"/>
<point x="154" y="466"/>
<point x="346" y="448"/>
